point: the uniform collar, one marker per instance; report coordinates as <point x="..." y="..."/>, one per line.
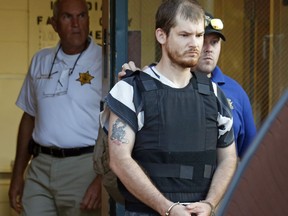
<point x="82" y="61"/>
<point x="218" y="76"/>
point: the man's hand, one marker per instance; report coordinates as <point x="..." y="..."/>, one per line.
<point x="15" y="194"/>
<point x="127" y="66"/>
<point x="92" y="197"/>
<point x="199" y="208"/>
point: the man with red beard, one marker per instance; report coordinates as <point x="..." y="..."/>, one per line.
<point x="243" y="121"/>
<point x="170" y="137"/>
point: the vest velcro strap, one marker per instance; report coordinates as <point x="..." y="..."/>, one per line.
<point x="204" y="89"/>
<point x="149" y="85"/>
<point x="208" y="170"/>
<point x="177" y="171"/>
<point x="146" y="83"/>
<point x="203" y="83"/>
<point x="169" y="170"/>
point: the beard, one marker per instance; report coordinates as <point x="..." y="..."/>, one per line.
<point x="183" y="59"/>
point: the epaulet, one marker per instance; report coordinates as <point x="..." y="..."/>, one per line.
<point x="203" y="82"/>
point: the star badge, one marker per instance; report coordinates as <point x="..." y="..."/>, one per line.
<point x="85" y="78"/>
<point x="230" y="102"/>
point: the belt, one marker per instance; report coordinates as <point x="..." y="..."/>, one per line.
<point x="64" y="152"/>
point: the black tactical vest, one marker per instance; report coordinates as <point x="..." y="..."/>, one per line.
<point x="177" y="145"/>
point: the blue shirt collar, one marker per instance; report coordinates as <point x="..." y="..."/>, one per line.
<point x="218" y="76"/>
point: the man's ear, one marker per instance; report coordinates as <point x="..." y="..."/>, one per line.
<point x="160" y="36"/>
<point x="53" y="23"/>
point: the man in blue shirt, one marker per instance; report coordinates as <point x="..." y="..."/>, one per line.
<point x="243" y="121"/>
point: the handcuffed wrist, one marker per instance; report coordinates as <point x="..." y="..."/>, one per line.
<point x="212" y="213"/>
<point x="167" y="213"/>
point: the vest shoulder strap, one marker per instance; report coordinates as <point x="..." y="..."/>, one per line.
<point x="204" y="83"/>
<point x="144" y="81"/>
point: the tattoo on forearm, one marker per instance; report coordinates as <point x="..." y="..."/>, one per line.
<point x="118" y="132"/>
